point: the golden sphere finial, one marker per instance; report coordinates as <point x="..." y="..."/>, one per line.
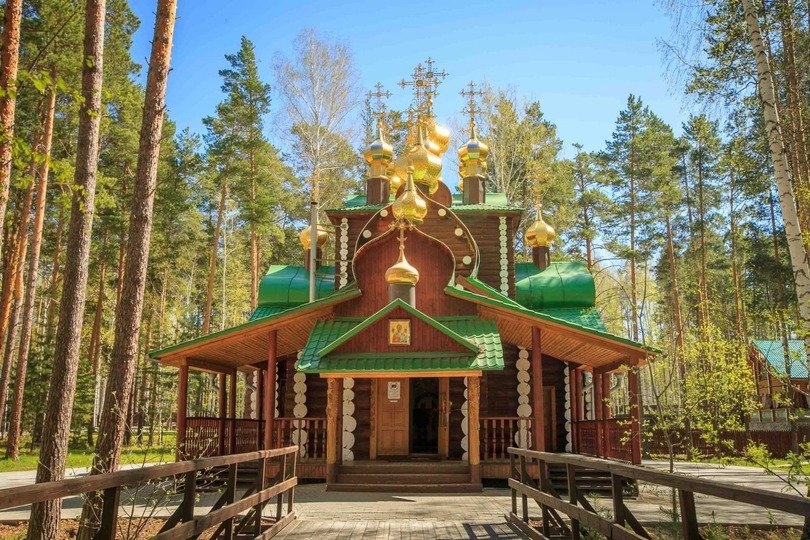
<point x="305" y="236"/>
<point x="402" y="272"/>
<point x="409" y="205"/>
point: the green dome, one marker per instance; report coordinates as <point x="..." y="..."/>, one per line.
<point x="562" y="284"/>
<point x="288" y="285"/>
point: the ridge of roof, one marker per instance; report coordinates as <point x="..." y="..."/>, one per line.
<point x="397" y="303"/>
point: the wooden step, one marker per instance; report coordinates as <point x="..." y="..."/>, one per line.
<point x="383" y="467"/>
<point x="465" y="487"/>
<point x="345" y="477"/>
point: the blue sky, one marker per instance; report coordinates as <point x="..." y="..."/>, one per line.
<point x="580" y="59"/>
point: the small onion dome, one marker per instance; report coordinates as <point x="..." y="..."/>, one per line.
<point x="394" y="179"/>
<point x="472" y="156"/>
<point x="427" y="166"/>
<point x="540" y="233"/>
<point x="378" y="155"/>
<point x="305" y="236"/>
<point x="402" y="272"/>
<point x="409" y="206"/>
<point x="400" y="169"/>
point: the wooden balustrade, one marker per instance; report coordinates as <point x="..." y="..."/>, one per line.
<point x="230" y="517"/>
<point x="498" y="433"/>
<point x="616" y="433"/>
<point x="309" y="434"/>
<point x="203" y="436"/>
<point x="622" y="524"/>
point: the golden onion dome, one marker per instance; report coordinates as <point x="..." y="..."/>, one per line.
<point x="394" y="179"/>
<point x="409" y="205"/>
<point x="378" y="155"/>
<point x="305" y="236"/>
<point x="540" y="233"/>
<point x="474" y="152"/>
<point x="402" y="272"/>
<point x="427" y="166"/>
<point x="400" y="166"/>
<point x="440" y="135"/>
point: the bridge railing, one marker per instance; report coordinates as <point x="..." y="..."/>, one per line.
<point x="623" y="524"/>
<point x="274" y="476"/>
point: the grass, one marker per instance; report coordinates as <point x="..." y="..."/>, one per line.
<point x="81" y="456"/>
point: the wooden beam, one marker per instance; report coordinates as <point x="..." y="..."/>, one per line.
<point x="473" y="428"/>
<point x="372" y="420"/>
<point x="232" y="414"/>
<point x="444" y="417"/>
<point x="537" y="392"/>
<point x="598" y="410"/>
<point x="635" y="415"/>
<point x="401" y="374"/>
<point x="222" y="412"/>
<point x="182" y="404"/>
<point x="208" y="367"/>
<point x="270" y="389"/>
<point x="333" y="397"/>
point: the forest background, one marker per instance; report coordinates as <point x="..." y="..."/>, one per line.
<point x="684" y="227"/>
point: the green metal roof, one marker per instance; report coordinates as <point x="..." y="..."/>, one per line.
<point x="562" y="284"/>
<point x="512" y="306"/>
<point x="349" y="291"/>
<point x="584" y="317"/>
<point x="480" y="336"/>
<point x="288" y="285"/>
<point x="265" y="311"/>
<point x="774" y="354"/>
<point x="495" y="202"/>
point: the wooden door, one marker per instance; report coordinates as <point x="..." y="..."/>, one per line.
<point x="393" y="417"/>
<point x="550" y="420"/>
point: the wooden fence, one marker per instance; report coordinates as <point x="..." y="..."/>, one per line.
<point x="225" y="513"/>
<point x="734" y="442"/>
<point x="210" y="436"/>
<point x="623" y="524"/>
<point x="498" y="433"/>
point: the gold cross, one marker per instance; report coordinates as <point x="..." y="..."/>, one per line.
<point x="472" y="107"/>
<point x="418" y="82"/>
<point x="379" y="109"/>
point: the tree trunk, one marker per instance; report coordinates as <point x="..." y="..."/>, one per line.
<point x="129" y="310"/>
<point x="44" y="522"/>
<point x="212" y="260"/>
<point x="787" y="200"/>
<point x="94" y="349"/>
<point x="739" y="302"/>
<point x="703" y="283"/>
<point x="50" y="318"/>
<point x="9" y="60"/>
<point x="44" y="152"/>
<point x="16" y="298"/>
<point x="676" y="298"/>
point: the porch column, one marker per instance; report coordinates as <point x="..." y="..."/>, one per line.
<point x="473" y="423"/>
<point x="539" y="431"/>
<point x="258" y="376"/>
<point x="574" y="378"/>
<point x="182" y="401"/>
<point x="232" y="413"/>
<point x="605" y="406"/>
<point x="635" y="414"/>
<point x="269" y="394"/>
<point x="222" y="411"/>
<point x="598" y="410"/>
<point x="333" y="397"/>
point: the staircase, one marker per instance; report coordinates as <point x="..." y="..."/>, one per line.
<point x="589" y="481"/>
<point x="405" y="477"/>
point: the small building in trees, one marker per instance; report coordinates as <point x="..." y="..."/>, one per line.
<point x="770" y="364"/>
<point x="428" y="344"/>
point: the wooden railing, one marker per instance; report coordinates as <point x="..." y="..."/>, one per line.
<point x="210" y="436"/>
<point x="309" y="434"/>
<point x="623" y="523"/>
<point x="226" y="515"/>
<point x="615" y="433"/>
<point x="498" y="433"/>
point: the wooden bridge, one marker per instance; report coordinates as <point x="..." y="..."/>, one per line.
<point x="262" y="504"/>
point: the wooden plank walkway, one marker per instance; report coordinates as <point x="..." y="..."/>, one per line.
<point x="401" y="529"/>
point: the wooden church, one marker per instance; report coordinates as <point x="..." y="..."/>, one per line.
<point x="425" y="350"/>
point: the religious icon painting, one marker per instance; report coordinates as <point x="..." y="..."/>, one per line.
<point x="399" y="332"/>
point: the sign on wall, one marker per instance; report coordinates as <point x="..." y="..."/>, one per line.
<point x="394" y="390"/>
<point x="399" y="332"/>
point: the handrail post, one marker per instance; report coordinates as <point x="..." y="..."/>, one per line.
<point x="261" y="484"/>
<point x="230" y="495"/>
<point x="524" y="498"/>
<point x="291" y="494"/>
<point x="109" y="514"/>
<point x="573" y="496"/>
<point x="189" y="492"/>
<point x="618" y="499"/>
<point x="543" y="484"/>
<point x="512" y="476"/>
<point x="689" y="523"/>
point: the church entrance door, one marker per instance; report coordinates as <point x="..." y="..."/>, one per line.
<point x="425" y="416"/>
<point x="393" y="417"/>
